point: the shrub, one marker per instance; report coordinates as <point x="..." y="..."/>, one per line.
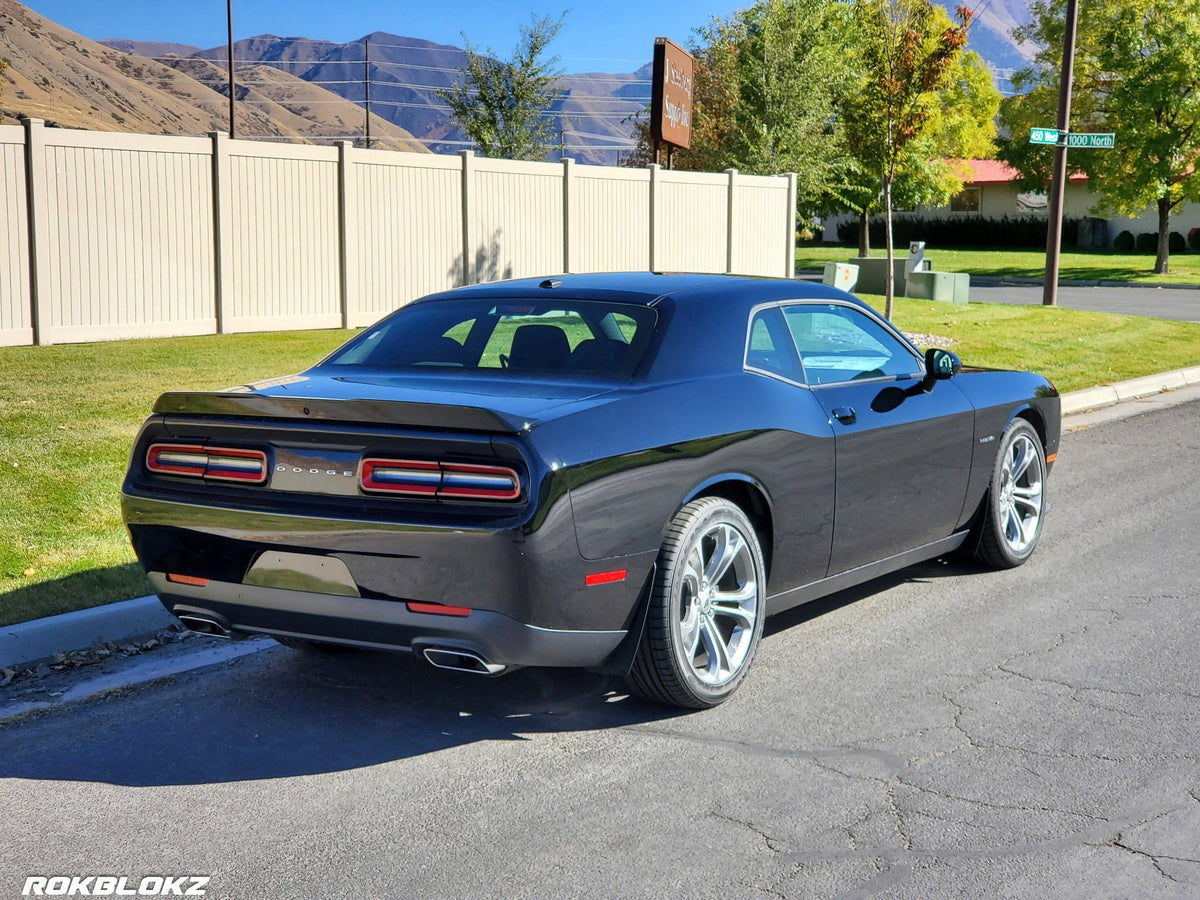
<point x="1020" y="232"/>
<point x="1193" y="240"/>
<point x="1146" y="242"/>
<point x="1176" y="243"/>
<point x="1123" y="242"/>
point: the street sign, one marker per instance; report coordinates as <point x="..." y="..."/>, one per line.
<point x="1093" y="141"/>
<point x="1081" y="140"/>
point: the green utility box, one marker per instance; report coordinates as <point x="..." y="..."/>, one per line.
<point x="840" y="275"/>
<point x="873" y="269"/>
<point x="946" y="287"/>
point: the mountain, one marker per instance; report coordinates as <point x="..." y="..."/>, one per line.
<point x="70" y="81"/>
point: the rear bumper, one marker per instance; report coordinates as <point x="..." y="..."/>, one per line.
<point x="384" y="624"/>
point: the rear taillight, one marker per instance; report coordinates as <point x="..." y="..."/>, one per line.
<point x="216" y="463"/>
<point x="444" y="480"/>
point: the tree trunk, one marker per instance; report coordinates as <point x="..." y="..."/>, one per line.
<point x="889" y="274"/>
<point x="864" y="233"/>
<point x="1162" y="264"/>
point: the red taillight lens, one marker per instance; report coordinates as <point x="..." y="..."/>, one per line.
<point x="451" y="481"/>
<point x="216" y="463"/>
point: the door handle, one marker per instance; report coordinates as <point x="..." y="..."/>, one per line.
<point x="845" y="415"/>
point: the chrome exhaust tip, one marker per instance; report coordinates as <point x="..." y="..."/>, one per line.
<point x="461" y="661"/>
<point x="204" y="625"/>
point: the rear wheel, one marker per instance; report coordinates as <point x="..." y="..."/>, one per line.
<point x="1012" y="518"/>
<point x="706" y="610"/>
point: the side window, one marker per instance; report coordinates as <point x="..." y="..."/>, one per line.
<point x="770" y="348"/>
<point x="838" y="343"/>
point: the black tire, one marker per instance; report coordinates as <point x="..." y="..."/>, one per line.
<point x="1014" y="509"/>
<point x="701" y="636"/>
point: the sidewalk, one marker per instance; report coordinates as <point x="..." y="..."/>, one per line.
<point x="29" y="642"/>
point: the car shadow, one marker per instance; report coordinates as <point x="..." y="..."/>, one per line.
<point x="281" y="713"/>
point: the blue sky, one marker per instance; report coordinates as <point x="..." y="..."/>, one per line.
<point x="608" y="36"/>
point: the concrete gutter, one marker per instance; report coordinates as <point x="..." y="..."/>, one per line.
<point x="29" y="642"/>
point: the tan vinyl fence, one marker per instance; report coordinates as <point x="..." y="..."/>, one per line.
<point x="106" y="236"/>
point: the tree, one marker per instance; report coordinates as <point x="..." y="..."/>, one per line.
<point x="765" y="84"/>
<point x="1137" y="73"/>
<point x="503" y="106"/>
<point x="908" y="59"/>
<point x="925" y="175"/>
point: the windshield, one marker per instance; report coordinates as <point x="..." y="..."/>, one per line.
<point x="585" y="337"/>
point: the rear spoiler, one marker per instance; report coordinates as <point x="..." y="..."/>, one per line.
<point x="358" y="412"/>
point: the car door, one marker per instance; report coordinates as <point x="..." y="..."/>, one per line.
<point x="902" y="453"/>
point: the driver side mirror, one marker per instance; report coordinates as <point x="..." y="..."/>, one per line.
<point x="940" y="365"/>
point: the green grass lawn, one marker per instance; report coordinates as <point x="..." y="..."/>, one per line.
<point x="1073" y="266"/>
<point x="68" y="415"/>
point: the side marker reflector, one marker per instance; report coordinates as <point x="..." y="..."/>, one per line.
<point x="605" y="577"/>
<point x="1050" y="458"/>
<point x="187" y="579"/>
<point x="438" y="609"/>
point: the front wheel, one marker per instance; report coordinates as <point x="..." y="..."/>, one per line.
<point x="706" y="610"/>
<point x="1012" y="518"/>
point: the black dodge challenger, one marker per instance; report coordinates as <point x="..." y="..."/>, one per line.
<point x="625" y="472"/>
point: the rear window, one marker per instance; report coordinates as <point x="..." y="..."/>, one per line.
<point x="592" y="338"/>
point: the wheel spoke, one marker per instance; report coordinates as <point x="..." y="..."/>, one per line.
<point x="1023" y="456"/>
<point x="1012" y="527"/>
<point x="1030" y="498"/>
<point x="729" y="545"/>
<point x="718" y="653"/>
<point x="690" y="631"/>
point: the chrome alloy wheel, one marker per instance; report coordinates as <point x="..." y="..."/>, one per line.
<point x="1020" y="500"/>
<point x="717" y="604"/>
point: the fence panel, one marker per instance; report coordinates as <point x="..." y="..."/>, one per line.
<point x="286" y="267"/>
<point x="130" y="236"/>
<point x="516" y="211"/>
<point x="408" y="229"/>
<point x="691" y="222"/>
<point x="760" y="225"/>
<point x="16" y="319"/>
<point x="610" y="211"/>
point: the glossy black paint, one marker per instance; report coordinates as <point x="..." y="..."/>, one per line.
<point x="605" y="465"/>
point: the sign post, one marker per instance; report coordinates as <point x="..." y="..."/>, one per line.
<point x="671" y="97"/>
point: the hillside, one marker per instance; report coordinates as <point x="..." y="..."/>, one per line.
<point x="73" y="82"/>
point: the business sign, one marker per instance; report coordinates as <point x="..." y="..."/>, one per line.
<point x="671" y="97"/>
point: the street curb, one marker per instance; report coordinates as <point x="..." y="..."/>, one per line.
<point x="1017" y="281"/>
<point x="29" y="642"/>
<point x="1134" y="389"/>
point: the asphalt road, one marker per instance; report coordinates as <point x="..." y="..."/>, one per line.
<point x="1159" y="303"/>
<point x="948" y="732"/>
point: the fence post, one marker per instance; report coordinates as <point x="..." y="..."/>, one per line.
<point x="40" y="315"/>
<point x="468" y="169"/>
<point x="789" y="270"/>
<point x="729" y="237"/>
<point x="568" y="198"/>
<point x="222" y="230"/>
<point x="347" y="234"/>
<point x="655" y="169"/>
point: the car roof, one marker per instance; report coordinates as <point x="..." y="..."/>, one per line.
<point x="650" y="287"/>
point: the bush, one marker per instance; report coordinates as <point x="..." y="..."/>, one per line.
<point x="1123" y="242"/>
<point x="1146" y="242"/>
<point x="1176" y="243"/>
<point x="1020" y="232"/>
<point x="1193" y="240"/>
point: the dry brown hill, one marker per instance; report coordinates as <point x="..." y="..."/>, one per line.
<point x="71" y="81"/>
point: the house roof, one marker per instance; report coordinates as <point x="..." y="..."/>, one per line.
<point x="980" y="172"/>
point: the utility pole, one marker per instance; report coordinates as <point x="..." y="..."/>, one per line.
<point x="1058" y="178"/>
<point x="367" y="85"/>
<point x="232" y="124"/>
